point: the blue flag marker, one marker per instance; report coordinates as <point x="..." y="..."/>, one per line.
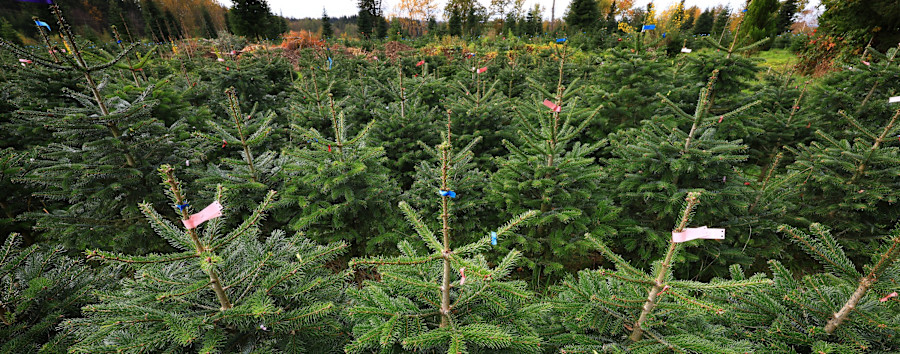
<point x="745" y="10"/>
<point x="182" y="206"/>
<point x="648" y="27"/>
<point x="494" y="238"/>
<point x="450" y="194"/>
<point x="42" y="24"/>
<point x="664" y="34"/>
<point x="329" y="63"/>
<point x="560" y="40"/>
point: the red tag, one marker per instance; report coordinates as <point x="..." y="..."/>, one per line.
<point x="552" y="106"/>
<point x="224" y="143"/>
<point x="420" y="63"/>
<point x="482" y="70"/>
<point x="721" y="118"/>
<point x="329" y="147"/>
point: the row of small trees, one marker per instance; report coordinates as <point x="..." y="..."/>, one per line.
<point x="602" y="165"/>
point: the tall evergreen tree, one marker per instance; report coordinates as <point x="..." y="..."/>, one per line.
<point x="340" y="183"/>
<point x="93" y="170"/>
<point x="759" y="21"/>
<point x="222" y="291"/>
<point x="250" y="18"/>
<point x="583" y="15"/>
<point x="704" y="23"/>
<point x="652" y="165"/>
<point x="785" y="17"/>
<point x="327" y="31"/>
<point x="209" y="28"/>
<point x="721" y="23"/>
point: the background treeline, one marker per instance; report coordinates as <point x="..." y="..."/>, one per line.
<point x="429" y="196"/>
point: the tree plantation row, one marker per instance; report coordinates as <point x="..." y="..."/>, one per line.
<point x="493" y="196"/>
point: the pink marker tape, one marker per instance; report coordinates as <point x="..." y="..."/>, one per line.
<point x="867" y="63"/>
<point x="552" y="106"/>
<point x="25" y="61"/>
<point x="889" y="296"/>
<point x="698" y="233"/>
<point x="462" y="274"/>
<point x="212" y="211"/>
<point x="482" y="70"/>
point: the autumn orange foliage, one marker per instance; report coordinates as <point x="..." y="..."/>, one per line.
<point x="303" y="39"/>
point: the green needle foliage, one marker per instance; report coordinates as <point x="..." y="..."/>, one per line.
<point x="549" y="170"/>
<point x="853" y="184"/>
<point x="653" y="166"/>
<point x="91" y="169"/>
<point x="222" y="291"/>
<point x="340" y="185"/>
<point x="39" y="287"/>
<point x="598" y="309"/>
<point x="448" y="298"/>
<point x="841" y="310"/>
<point x="254" y="171"/>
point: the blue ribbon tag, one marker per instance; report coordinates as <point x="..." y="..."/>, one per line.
<point x="493" y="238"/>
<point x="560" y="40"/>
<point x="450" y="194"/>
<point x="182" y="206"/>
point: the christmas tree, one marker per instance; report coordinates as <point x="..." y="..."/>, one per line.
<point x="658" y="312"/>
<point x="223" y="290"/>
<point x="421" y="304"/>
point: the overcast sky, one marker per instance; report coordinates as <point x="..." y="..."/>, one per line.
<point x="338" y="8"/>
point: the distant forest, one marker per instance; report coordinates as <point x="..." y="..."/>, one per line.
<point x="153" y="19"/>
<point x="340" y="25"/>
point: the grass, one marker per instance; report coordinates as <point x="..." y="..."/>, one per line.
<point x="781" y="60"/>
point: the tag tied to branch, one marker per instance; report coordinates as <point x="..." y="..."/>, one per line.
<point x="212" y="211"/>
<point x="552" y="106"/>
<point x="450" y="194"/>
<point x="698" y="233"/>
<point x="493" y="238"/>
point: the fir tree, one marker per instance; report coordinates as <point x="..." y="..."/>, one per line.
<point x="93" y="167"/>
<point x="327" y="31"/>
<point x="255" y="171"/>
<point x="853" y="184"/>
<point x="209" y="28"/>
<point x="785" y="17"/>
<point x="654" y="164"/>
<point x="340" y="184"/>
<point x="582" y="15"/>
<point x="419" y="304"/>
<point x="654" y="309"/>
<point x="548" y="169"/>
<point x="401" y="121"/>
<point x="720" y="26"/>
<point x="841" y="309"/>
<point x="704" y="22"/>
<point x="41" y="286"/>
<point x="221" y="291"/>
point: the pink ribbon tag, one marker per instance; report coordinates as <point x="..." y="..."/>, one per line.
<point x="894" y="99"/>
<point x="698" y="233"/>
<point x="462" y="274"/>
<point x="220" y="59"/>
<point x="420" y="63"/>
<point x="212" y="211"/>
<point x="482" y="70"/>
<point x="889" y="296"/>
<point x="867" y="63"/>
<point x="25" y="61"/>
<point x="552" y="106"/>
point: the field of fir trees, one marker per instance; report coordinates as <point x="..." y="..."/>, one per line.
<point x="610" y="191"/>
